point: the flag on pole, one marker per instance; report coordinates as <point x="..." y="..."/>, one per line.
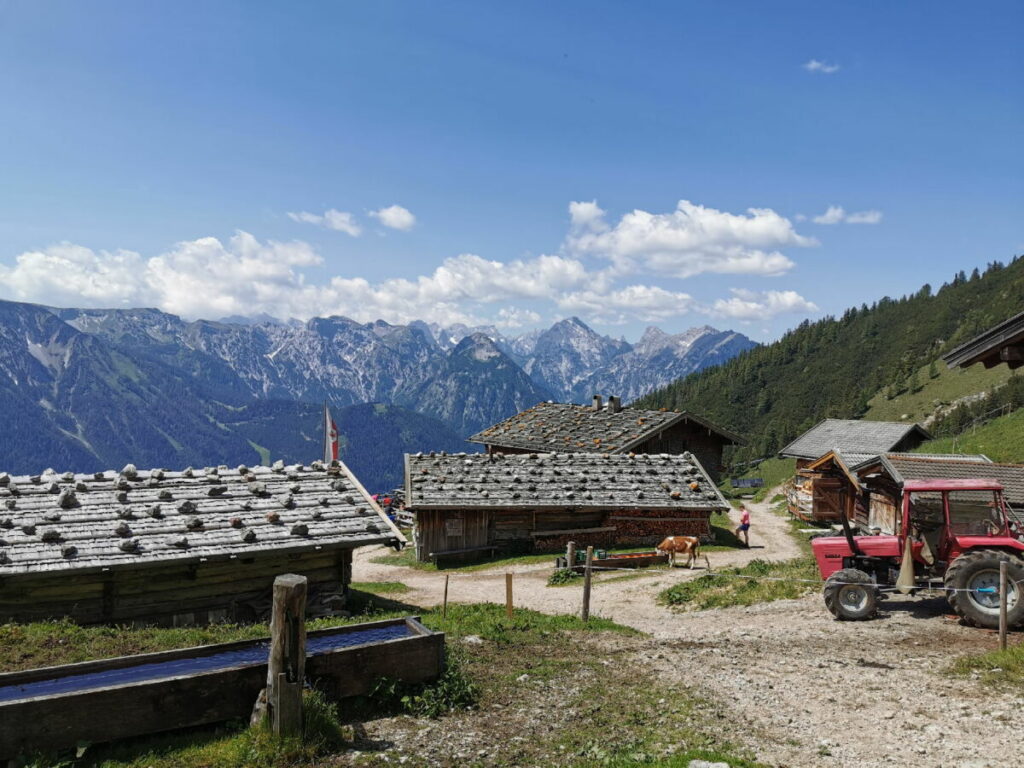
<point x="330" y="437"/>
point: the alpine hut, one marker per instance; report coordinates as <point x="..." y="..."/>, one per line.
<point x="180" y="547"/>
<point x="609" y="429"/>
<point x="1002" y="343"/>
<point x="815" y="495"/>
<point x="469" y="504"/>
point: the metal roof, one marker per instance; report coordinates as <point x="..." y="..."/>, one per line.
<point x="582" y="429"/>
<point x="988" y="347"/>
<point x="559" y="480"/>
<point x="851" y="437"/>
<point x="75" y="522"/>
<point x="904" y="468"/>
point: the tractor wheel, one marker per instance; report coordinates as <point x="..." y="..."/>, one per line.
<point x="851" y="595"/>
<point x="976" y="574"/>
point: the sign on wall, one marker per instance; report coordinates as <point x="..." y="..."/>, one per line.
<point x="453" y="526"/>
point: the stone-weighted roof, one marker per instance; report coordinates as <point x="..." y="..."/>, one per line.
<point x="73" y="522"/>
<point x="907" y="466"/>
<point x="850" y="437"/>
<point x="559" y="480"/>
<point x="580" y="429"/>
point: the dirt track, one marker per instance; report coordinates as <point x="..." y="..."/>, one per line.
<point x="796" y="687"/>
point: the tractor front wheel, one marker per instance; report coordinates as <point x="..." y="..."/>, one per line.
<point x="851" y="595"/>
<point x="973" y="579"/>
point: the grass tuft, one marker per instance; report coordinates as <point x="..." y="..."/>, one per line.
<point x="997" y="668"/>
<point x="723" y="589"/>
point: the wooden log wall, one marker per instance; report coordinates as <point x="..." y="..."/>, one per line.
<point x="223" y="590"/>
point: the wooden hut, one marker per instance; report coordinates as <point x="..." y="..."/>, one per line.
<point x="609" y="429"/>
<point x="812" y="494"/>
<point x="1003" y="343"/>
<point x="179" y="547"/>
<point x="469" y="504"/>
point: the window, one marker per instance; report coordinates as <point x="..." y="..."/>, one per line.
<point x="975" y="513"/>
<point x="926" y="513"/>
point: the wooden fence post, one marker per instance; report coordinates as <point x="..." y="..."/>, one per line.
<point x="508" y="594"/>
<point x="586" y="584"/>
<point x="1003" y="589"/>
<point x="287" y="666"/>
<point x="444" y="605"/>
<point x="570" y="555"/>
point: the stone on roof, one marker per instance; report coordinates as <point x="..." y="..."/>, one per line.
<point x="559" y="480"/>
<point x="76" y="522"/>
<point x="851" y="437"/>
<point x="581" y="429"/>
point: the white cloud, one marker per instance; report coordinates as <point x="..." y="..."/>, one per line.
<point x="691" y="240"/>
<point x="836" y="214"/>
<point x="821" y="67"/>
<point x="395" y="217"/>
<point x="514" y="317"/>
<point x="864" y="217"/>
<point x="211" y="279"/>
<point x="761" y="305"/>
<point x="649" y="303"/>
<point x="341" y="221"/>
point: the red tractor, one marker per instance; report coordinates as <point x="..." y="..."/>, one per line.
<point x="955" y="532"/>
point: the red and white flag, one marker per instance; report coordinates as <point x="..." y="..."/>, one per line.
<point x="330" y="437"/>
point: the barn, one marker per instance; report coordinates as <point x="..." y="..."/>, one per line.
<point x="1002" y="343"/>
<point x="813" y="494"/>
<point x="182" y="547"/>
<point x="611" y="429"/>
<point x="467" y="505"/>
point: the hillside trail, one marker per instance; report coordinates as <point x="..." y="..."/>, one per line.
<point x="627" y="597"/>
<point x="784" y="680"/>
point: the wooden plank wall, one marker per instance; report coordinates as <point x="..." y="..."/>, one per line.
<point x="235" y="590"/>
<point x="443" y="530"/>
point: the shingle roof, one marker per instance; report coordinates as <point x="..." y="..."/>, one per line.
<point x="987" y="347"/>
<point x="579" y="428"/>
<point x="73" y="522"/>
<point x="903" y="467"/>
<point x="859" y="461"/>
<point x="868" y="438"/>
<point x="559" y="480"/>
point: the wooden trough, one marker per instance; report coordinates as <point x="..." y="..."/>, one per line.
<point x="56" y="708"/>
<point x="625" y="560"/>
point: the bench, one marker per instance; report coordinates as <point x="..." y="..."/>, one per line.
<point x="435" y="555"/>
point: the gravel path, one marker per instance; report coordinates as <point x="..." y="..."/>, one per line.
<point x="795" y="687"/>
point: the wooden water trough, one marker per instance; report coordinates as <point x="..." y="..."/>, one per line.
<point x="624" y="560"/>
<point x="56" y="708"/>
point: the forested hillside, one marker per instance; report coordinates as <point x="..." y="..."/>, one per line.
<point x="835" y="366"/>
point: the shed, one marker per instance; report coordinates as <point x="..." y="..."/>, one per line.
<point x="1003" y="343"/>
<point x="179" y="547"/>
<point x="469" y="503"/>
<point x="609" y="429"/>
<point x="884" y="476"/>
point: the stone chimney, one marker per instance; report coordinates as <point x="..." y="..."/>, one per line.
<point x="614" y="404"/>
<point x="597" y="403"/>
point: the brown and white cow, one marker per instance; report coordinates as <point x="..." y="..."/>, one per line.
<point x="682" y="545"/>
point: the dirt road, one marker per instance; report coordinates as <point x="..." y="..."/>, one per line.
<point x="793" y="686"/>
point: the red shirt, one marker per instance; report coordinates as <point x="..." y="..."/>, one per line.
<point x="745" y="517"/>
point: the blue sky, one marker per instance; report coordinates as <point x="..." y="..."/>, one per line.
<point x="151" y="154"/>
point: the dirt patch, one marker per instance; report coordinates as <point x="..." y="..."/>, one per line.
<point x="783" y="679"/>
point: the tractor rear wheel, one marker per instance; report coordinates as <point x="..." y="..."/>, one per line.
<point x="975" y="576"/>
<point x="851" y="595"/>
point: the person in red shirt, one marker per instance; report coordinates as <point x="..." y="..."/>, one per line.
<point x="744" y="527"/>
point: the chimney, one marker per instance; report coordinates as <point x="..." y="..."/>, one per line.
<point x="614" y="404"/>
<point x="597" y="403"/>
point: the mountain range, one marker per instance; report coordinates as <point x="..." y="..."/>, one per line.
<point x="86" y="388"/>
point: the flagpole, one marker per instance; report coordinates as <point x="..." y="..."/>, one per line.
<point x="327" y="436"/>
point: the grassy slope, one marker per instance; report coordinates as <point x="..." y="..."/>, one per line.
<point x="1001" y="440"/>
<point x="935" y="393"/>
<point x="773" y="471"/>
<point x="623" y="715"/>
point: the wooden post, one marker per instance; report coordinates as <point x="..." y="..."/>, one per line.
<point x="570" y="555"/>
<point x="444" y="605"/>
<point x="508" y="594"/>
<point x="586" y="584"/>
<point x="1003" y="589"/>
<point x="287" y="666"/>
